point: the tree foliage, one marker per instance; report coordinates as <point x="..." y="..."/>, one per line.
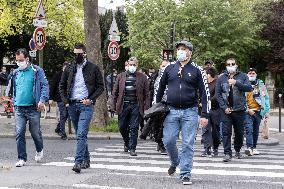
<point x="65" y="19"/>
<point x="217" y="28"/>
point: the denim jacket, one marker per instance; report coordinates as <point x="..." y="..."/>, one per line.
<point x="223" y="88"/>
<point x="263" y="100"/>
<point x="40" y="88"/>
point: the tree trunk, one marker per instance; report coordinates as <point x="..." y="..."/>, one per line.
<point x="93" y="45"/>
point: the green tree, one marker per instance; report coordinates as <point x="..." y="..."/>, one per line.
<point x="218" y="29"/>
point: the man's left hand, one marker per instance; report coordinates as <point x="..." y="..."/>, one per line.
<point x="203" y="122"/>
<point x="40" y="106"/>
<point x="86" y="102"/>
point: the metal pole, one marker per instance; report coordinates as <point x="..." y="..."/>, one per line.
<point x="40" y="58"/>
<point x="280" y="105"/>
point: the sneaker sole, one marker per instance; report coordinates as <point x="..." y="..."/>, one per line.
<point x="247" y="152"/>
<point x="187" y="183"/>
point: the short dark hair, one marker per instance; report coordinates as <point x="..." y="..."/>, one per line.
<point x="208" y="62"/>
<point x="22" y="51"/>
<point x="212" y="71"/>
<point x="80" y="46"/>
<point x="231" y="59"/>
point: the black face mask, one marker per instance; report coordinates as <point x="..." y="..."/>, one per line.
<point x="79" y="58"/>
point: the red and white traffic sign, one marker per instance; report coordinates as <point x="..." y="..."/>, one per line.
<point x="113" y="50"/>
<point x="39" y="38"/>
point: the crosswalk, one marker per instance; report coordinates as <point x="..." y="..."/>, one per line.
<point x="267" y="167"/>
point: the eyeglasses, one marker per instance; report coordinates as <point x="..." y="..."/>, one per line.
<point x="232" y="64"/>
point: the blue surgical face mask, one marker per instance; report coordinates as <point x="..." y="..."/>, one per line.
<point x="181" y="55"/>
<point x="22" y="65"/>
<point x="252" y="78"/>
<point x="132" y="69"/>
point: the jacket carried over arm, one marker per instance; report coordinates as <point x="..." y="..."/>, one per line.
<point x="93" y="79"/>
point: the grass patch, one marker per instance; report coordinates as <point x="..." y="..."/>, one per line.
<point x="112" y="127"/>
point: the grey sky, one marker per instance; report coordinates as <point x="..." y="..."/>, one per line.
<point x="106" y="3"/>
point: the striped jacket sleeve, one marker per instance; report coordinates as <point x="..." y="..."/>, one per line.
<point x="204" y="93"/>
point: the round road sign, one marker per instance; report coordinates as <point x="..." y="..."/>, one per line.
<point x="39" y="38"/>
<point x="113" y="50"/>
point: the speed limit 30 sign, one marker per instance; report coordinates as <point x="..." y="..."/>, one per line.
<point x="39" y="38"/>
<point x="113" y="50"/>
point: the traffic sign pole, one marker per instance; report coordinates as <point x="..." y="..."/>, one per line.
<point x="40" y="58"/>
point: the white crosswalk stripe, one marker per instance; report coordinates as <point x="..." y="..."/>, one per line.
<point x="269" y="164"/>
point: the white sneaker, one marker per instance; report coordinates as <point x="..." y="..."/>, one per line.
<point x="20" y="163"/>
<point x="255" y="152"/>
<point x="39" y="156"/>
<point x="248" y="152"/>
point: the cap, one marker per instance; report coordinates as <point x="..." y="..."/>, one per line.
<point x="185" y="43"/>
<point x="252" y="70"/>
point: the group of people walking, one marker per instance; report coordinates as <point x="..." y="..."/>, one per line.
<point x="193" y="95"/>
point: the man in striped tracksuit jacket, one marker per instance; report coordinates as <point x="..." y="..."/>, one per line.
<point x="184" y="80"/>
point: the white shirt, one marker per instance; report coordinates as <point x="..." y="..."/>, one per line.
<point x="79" y="90"/>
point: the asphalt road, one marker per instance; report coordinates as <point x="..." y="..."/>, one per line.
<point x="113" y="169"/>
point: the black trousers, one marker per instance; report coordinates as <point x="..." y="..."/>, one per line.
<point x="129" y="121"/>
<point x="235" y="119"/>
<point x="211" y="132"/>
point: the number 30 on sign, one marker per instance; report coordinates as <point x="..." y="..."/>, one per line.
<point x="39" y="38"/>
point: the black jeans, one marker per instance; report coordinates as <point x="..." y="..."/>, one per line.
<point x="129" y="121"/>
<point x="211" y="132"/>
<point x="237" y="120"/>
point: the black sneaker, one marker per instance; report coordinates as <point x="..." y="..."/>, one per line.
<point x="171" y="170"/>
<point x="163" y="150"/>
<point x="57" y="130"/>
<point x="77" y="168"/>
<point x="215" y="152"/>
<point x="64" y="137"/>
<point x="133" y="153"/>
<point x="142" y="137"/>
<point x="227" y="158"/>
<point x="85" y="164"/>
<point x="238" y="155"/>
<point x="125" y="148"/>
<point x="186" y="181"/>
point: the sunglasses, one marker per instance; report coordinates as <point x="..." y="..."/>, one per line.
<point x="232" y="64"/>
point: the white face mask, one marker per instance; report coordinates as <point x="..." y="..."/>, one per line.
<point x="231" y="69"/>
<point x="22" y="65"/>
<point x="252" y="78"/>
<point x="126" y="68"/>
<point x="132" y="69"/>
<point x="181" y="55"/>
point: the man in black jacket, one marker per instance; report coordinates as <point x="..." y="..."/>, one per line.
<point x="230" y="90"/>
<point x="183" y="80"/>
<point x="81" y="84"/>
<point x="55" y="96"/>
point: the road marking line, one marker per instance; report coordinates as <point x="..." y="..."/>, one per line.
<point x="97" y="186"/>
<point x="196" y="164"/>
<point x="164" y="170"/>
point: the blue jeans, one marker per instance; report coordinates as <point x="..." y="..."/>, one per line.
<point x="81" y="116"/>
<point x="186" y="121"/>
<point x="129" y="121"/>
<point x="24" y="114"/>
<point x="63" y="115"/>
<point x="252" y="129"/>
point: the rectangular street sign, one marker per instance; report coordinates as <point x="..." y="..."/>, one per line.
<point x="114" y="37"/>
<point x="32" y="53"/>
<point x="40" y="23"/>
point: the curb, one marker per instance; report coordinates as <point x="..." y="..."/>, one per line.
<point x="268" y="142"/>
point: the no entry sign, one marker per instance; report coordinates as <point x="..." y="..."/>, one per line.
<point x="39" y="38"/>
<point x="113" y="50"/>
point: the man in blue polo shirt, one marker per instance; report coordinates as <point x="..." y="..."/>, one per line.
<point x="29" y="89"/>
